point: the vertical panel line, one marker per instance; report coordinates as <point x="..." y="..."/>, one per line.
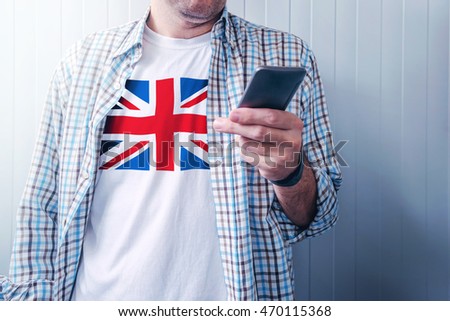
<point x="290" y="16"/>
<point x="311" y="23"/>
<point x="60" y="27"/>
<point x="335" y="44"/>
<point x="309" y="269"/>
<point x="266" y="17"/>
<point x="427" y="67"/>
<point x="36" y="63"/>
<point x="59" y="23"/>
<point x="357" y="48"/>
<point x="448" y="158"/>
<point x="380" y="115"/>
<point x="333" y="275"/>
<point x="129" y="10"/>
<point x="13" y="156"/>
<point x="83" y="18"/>
<point x="402" y="128"/>
<point x="356" y="144"/>
<point x="107" y="14"/>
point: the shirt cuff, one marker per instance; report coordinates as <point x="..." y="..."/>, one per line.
<point x="33" y="290"/>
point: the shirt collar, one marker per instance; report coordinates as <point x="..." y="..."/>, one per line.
<point x="134" y="38"/>
<point x="222" y="29"/>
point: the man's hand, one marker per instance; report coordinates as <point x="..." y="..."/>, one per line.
<point x="270" y="139"/>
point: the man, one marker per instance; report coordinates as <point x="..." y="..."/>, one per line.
<point x="98" y="220"/>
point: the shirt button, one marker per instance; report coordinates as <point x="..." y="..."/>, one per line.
<point x="85" y="175"/>
<point x="117" y="86"/>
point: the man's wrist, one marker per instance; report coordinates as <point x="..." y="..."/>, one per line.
<point x="293" y="178"/>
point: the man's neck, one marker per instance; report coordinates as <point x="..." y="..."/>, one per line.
<point x="165" y="22"/>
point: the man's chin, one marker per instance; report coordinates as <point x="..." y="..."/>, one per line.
<point x="198" y="18"/>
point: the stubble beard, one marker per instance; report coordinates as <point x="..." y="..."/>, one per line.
<point x="198" y="12"/>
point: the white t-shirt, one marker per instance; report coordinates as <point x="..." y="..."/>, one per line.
<point x="151" y="233"/>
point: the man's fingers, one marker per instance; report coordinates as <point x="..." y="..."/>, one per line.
<point x="255" y="132"/>
<point x="284" y="152"/>
<point x="253" y="146"/>
<point x="266" y="117"/>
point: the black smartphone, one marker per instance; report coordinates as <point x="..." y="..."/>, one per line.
<point x="272" y="87"/>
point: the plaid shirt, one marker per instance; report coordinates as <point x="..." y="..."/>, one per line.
<point x="255" y="235"/>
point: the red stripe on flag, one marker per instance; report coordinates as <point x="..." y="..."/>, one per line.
<point x="196" y="100"/>
<point x="128" y="104"/>
<point x="151" y="125"/>
<point x="201" y="144"/>
<point x="124" y="155"/>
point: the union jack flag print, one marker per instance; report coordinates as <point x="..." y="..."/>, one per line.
<point x="157" y="125"/>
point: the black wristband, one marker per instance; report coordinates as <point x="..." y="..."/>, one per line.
<point x="293" y="178"/>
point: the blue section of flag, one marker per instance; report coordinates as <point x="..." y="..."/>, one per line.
<point x="140" y="88"/>
<point x="140" y="163"/>
<point x="189" y="161"/>
<point x="190" y="86"/>
<point x="108" y="144"/>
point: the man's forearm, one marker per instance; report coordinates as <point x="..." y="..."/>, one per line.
<point x="254" y="125"/>
<point x="299" y="201"/>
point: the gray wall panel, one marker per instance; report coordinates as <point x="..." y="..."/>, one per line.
<point x="390" y="152"/>
<point x="437" y="151"/>
<point x="413" y="142"/>
<point x="345" y="130"/>
<point x="322" y="249"/>
<point x="6" y="131"/>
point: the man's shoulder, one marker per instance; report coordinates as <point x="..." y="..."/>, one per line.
<point x="113" y="36"/>
<point x="89" y="56"/>
<point x="103" y="44"/>
<point x="250" y="31"/>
